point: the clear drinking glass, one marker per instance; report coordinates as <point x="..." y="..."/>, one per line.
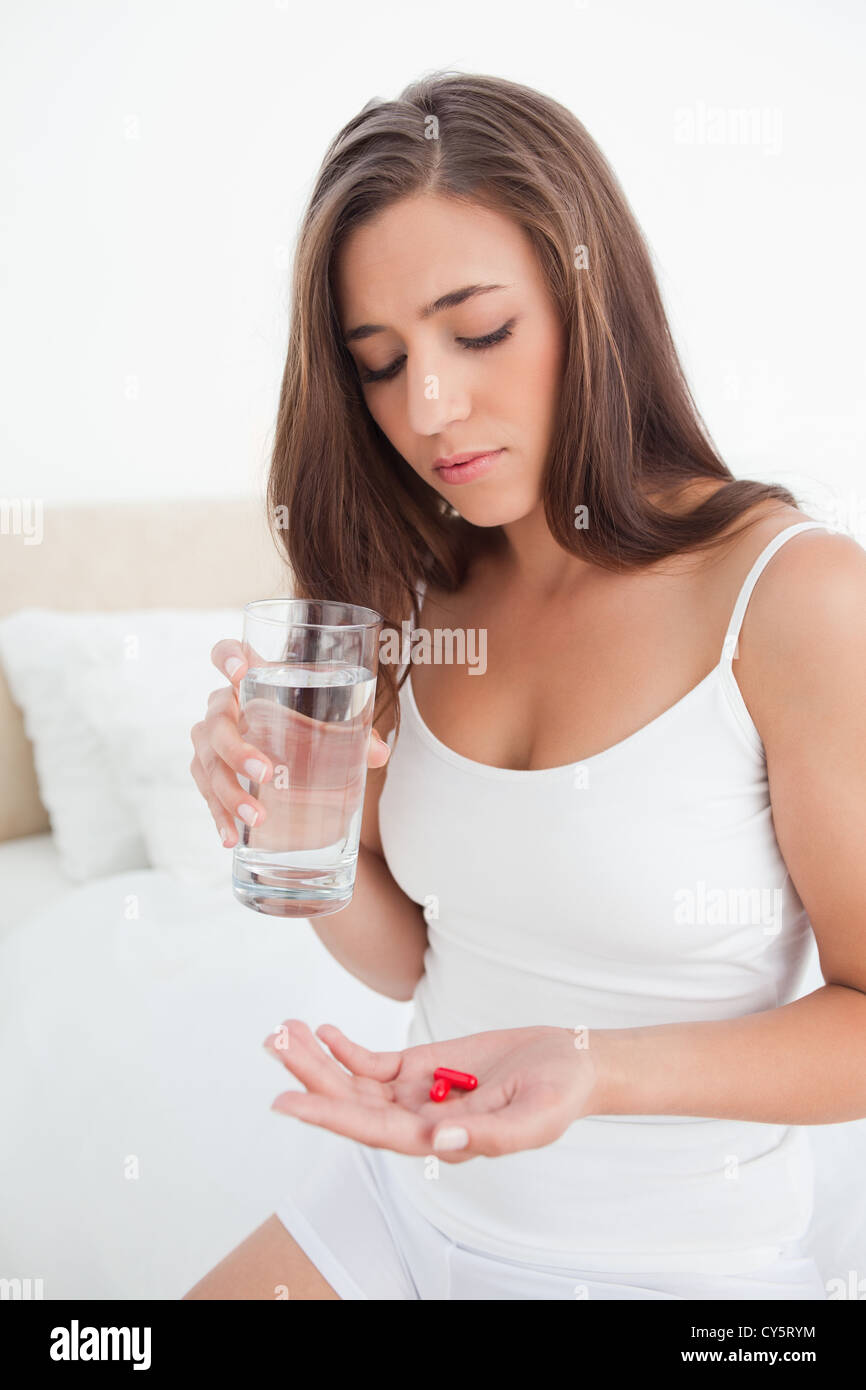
<point x="307" y="702"/>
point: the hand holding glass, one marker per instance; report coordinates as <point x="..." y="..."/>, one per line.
<point x="306" y="702"/>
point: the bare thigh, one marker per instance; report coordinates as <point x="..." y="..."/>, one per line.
<point x="268" y="1264"/>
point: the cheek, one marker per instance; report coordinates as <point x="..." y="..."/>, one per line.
<point x="387" y="419"/>
<point x="391" y="418"/>
<point x="531" y="382"/>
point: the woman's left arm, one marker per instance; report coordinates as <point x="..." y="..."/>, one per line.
<point x="804" y="1062"/>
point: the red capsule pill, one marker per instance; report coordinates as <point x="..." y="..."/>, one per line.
<point x="440" y="1089"/>
<point x="462" y="1079"/>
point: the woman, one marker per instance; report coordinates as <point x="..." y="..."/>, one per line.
<point x="584" y="876"/>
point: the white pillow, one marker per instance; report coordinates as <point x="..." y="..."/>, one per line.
<point x="95" y="831"/>
<point x="108" y="702"/>
<point x="144" y="696"/>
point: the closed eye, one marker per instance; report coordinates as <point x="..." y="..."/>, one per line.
<point x="471" y="344"/>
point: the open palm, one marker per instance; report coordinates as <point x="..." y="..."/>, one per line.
<point x="532" y="1084"/>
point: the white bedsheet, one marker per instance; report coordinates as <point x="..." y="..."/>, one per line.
<point x="31" y="877"/>
<point x="137" y="1146"/>
<point x="136" y="1141"/>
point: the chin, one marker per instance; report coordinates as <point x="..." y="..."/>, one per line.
<point x="493" y="511"/>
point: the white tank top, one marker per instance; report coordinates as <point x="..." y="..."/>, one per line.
<point x="642" y="885"/>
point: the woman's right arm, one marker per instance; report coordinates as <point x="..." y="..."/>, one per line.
<point x="381" y="936"/>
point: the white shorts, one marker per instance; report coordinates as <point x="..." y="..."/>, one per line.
<point x="370" y="1242"/>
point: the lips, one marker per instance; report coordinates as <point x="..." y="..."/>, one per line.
<point x="476" y="466"/>
<point x="454" y="459"/>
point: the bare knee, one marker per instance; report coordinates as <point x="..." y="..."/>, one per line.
<point x="268" y="1264"/>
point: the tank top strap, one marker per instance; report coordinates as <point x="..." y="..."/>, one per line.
<point x="729" y="647"/>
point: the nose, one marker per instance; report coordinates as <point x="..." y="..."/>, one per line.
<point x="437" y="397"/>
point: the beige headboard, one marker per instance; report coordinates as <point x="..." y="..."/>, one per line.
<point x="178" y="554"/>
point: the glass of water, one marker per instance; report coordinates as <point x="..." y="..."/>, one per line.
<point x="307" y="702"/>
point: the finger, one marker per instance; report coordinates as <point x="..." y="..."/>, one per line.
<point x="525" y="1122"/>
<point x="223" y="700"/>
<point x="227" y="788"/>
<point x="378" y="752"/>
<point x="220" y="787"/>
<point x="228" y="656"/>
<point x="381" y="1066"/>
<point x="293" y="1044"/>
<point x="224" y="824"/>
<point x="221" y="739"/>
<point x="377" y="1126"/>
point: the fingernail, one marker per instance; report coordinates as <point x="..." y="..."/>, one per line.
<point x="233" y="664"/>
<point x="225" y="833"/>
<point x="451" y="1137"/>
<point x="247" y="813"/>
<point x="254" y="769"/>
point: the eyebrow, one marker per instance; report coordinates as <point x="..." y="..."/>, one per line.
<point x="445" y="301"/>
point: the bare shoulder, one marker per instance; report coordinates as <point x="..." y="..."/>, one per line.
<point x="811" y="578"/>
<point x="729" y="560"/>
<point x="805" y="633"/>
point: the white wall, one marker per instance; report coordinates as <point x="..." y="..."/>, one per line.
<point x="157" y="156"/>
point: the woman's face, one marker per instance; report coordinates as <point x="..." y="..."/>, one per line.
<point x="442" y="395"/>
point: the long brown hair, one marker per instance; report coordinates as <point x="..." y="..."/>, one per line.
<point x="356" y="522"/>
